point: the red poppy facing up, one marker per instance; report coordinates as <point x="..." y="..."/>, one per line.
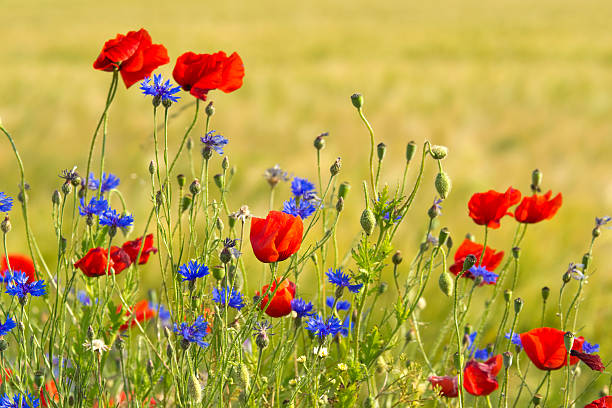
<point x="479" y="378"/>
<point x="200" y="73"/>
<point x="21" y="263"/>
<point x="491" y="259"/>
<point x="141" y="312"/>
<point x="276" y="237"/>
<point x="133" y="55"/>
<point x="603" y="402"/>
<point x="280" y="305"/>
<point x="133" y="247"/>
<point x="447" y="385"/>
<point x="93" y="264"/>
<point x="488" y="208"/>
<point x="545" y="348"/>
<point x="538" y="208"/>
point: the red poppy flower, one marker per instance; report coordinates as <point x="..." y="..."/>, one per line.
<point x="280" y="305"/>
<point x="488" y="208"/>
<point x="200" y="73"/>
<point x="538" y="208"/>
<point x="132" y="248"/>
<point x="276" y="237"/>
<point x="21" y="263"/>
<point x="447" y="385"/>
<point x="479" y="378"/>
<point x="603" y="402"/>
<point x="93" y="264"/>
<point x="51" y="390"/>
<point x="133" y="55"/>
<point x="141" y="312"/>
<point x="121" y="260"/>
<point x="545" y="348"/>
<point x="491" y="259"/>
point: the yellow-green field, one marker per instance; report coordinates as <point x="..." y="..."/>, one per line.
<point x="507" y="85"/>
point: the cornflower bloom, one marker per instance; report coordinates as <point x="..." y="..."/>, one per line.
<point x="193" y="333"/>
<point x="19" y="401"/>
<point x="340" y="304"/>
<point x="233" y="299"/>
<point x="301" y="308"/>
<point x="19" y="286"/>
<point x="515" y="338"/>
<point x="488" y="277"/>
<point x="600" y="222"/>
<point x="193" y="270"/>
<point x="9" y="325"/>
<point x="109" y="182"/>
<point x="574" y="270"/>
<point x="322" y="328"/>
<point x="70" y="176"/>
<point x="275" y="174"/>
<point x="301" y="186"/>
<point x="112" y="218"/>
<point x="304" y="209"/>
<point x="342" y="280"/>
<point x="214" y="141"/>
<point x="96" y="207"/>
<point x="6" y="202"/>
<point x="589" y="348"/>
<point x="160" y="90"/>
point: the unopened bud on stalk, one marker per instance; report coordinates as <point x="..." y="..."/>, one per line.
<point x="63" y="244"/>
<point x="225" y="256"/>
<point x="219" y="224"/>
<point x="410" y="150"/>
<point x="335" y="168"/>
<point x="225" y="163"/>
<point x="319" y="142"/>
<point x="207" y="152"/>
<point x="195" y="187"/>
<point x="368" y="221"/>
<point x="507" y="295"/>
<point x="210" y="109"/>
<point x="449" y="243"/>
<point x="218" y="273"/>
<point x="443" y="184"/>
<point x="357" y="100"/>
<point x="507" y="358"/>
<point x="397" y="258"/>
<point x="218" y="178"/>
<point x="66" y="189"/>
<point x="443" y="236"/>
<point x="76" y="181"/>
<point x="567" y="277"/>
<point x="90" y="333"/>
<point x="518" y="305"/>
<point x="181" y="180"/>
<point x="438" y="152"/>
<point x="112" y="231"/>
<point x="39" y="378"/>
<point x="231" y="221"/>
<point x="410" y="335"/>
<point x="446" y="284"/>
<point x="382" y="288"/>
<point x="516" y="252"/>
<point x="150" y="368"/>
<point x="568" y="340"/>
<point x="6" y="225"/>
<point x="262" y="340"/>
<point x="586" y="260"/>
<point x="119" y="343"/>
<point x="381" y="149"/>
<point x="469" y="261"/>
<point x="169" y="351"/>
<point x="458" y="360"/>
<point x="340" y="204"/>
<point x="159" y="198"/>
<point x="536" y="180"/>
<point x="344" y="189"/>
<point x="195" y="389"/>
<point x="3" y="345"/>
<point x="545" y="293"/>
<point x="55" y="197"/>
<point x="151" y="167"/>
<point x="434" y="211"/>
<point x="185" y="203"/>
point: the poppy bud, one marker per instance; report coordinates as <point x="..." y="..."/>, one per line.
<point x="507" y="295"/>
<point x="181" y="180"/>
<point x="340" y="204"/>
<point x="195" y="389"/>
<point x="443" y="236"/>
<point x="195" y="187"/>
<point x="151" y="167"/>
<point x="536" y="180"/>
<point x="210" y="109"/>
<point x="66" y="188"/>
<point x="568" y="340"/>
<point x="458" y="360"/>
<point x="438" y="152"/>
<point x="397" y="258"/>
<point x="3" y="345"/>
<point x="218" y="180"/>
<point x="55" y="197"/>
<point x="443" y="184"/>
<point x="218" y="273"/>
<point x="185" y="203"/>
<point x="545" y="293"/>
<point x="357" y="100"/>
<point x="446" y="284"/>
<point x="410" y="150"/>
<point x="335" y="168"/>
<point x="368" y="221"/>
<point x="343" y="189"/>
<point x="319" y="142"/>
<point x="470" y="261"/>
<point x="381" y="149"/>
<point x="518" y="305"/>
<point x="207" y="152"/>
<point x="586" y="260"/>
<point x="516" y="252"/>
<point x="39" y="378"/>
<point x="6" y="225"/>
<point x="219" y="224"/>
<point x="507" y="358"/>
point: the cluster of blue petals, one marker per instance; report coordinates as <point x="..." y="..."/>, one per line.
<point x="160" y="89"/>
<point x="193" y="270"/>
<point x="342" y="280"/>
<point x="301" y="308"/>
<point x="19" y="286"/>
<point x="214" y="141"/>
<point x="194" y="333"/>
<point x="487" y="276"/>
<point x="322" y="328"/>
<point x="233" y="299"/>
<point x="19" y="401"/>
<point x="304" y="201"/>
<point x="6" y="202"/>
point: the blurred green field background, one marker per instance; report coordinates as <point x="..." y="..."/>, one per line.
<point x="508" y="86"/>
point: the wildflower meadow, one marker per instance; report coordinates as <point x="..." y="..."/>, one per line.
<point x="335" y="323"/>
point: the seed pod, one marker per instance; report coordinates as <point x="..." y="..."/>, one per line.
<point x="518" y="305"/>
<point x="344" y="189"/>
<point x="568" y="340"/>
<point x="6" y="225"/>
<point x="545" y="293"/>
<point x="218" y="273"/>
<point x="368" y="221"/>
<point x="39" y="378"/>
<point x="181" y="180"/>
<point x="397" y="258"/>
<point x="536" y="180"/>
<point x="357" y="100"/>
<point x="443" y="184"/>
<point x="443" y="236"/>
<point x="507" y="295"/>
<point x="410" y="150"/>
<point x="446" y="284"/>
<point x="381" y="149"/>
<point x="438" y="152"/>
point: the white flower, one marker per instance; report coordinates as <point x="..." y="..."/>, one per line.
<point x="96" y="345"/>
<point x="242" y="214"/>
<point x="320" y="352"/>
<point x="301" y="359"/>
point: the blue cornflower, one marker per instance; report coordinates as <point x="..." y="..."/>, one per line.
<point x="95" y="207"/>
<point x="515" y="338"/>
<point x="83" y="298"/>
<point x="322" y="328"/>
<point x="482" y="354"/>
<point x="302" y="308"/>
<point x="387" y="217"/>
<point x="340" y="305"/>
<point x="6" y="202"/>
<point x="109" y="182"/>
<point x="590" y="348"/>
<point x="19" y="286"/>
<point x="214" y="141"/>
<point x="159" y="89"/>
<point x="192" y="271"/>
<point x="305" y="209"/>
<point x="487" y="276"/>
<point x="301" y="187"/>
<point x="230" y="245"/>
<point x="7" y="326"/>
<point x="234" y="299"/>
<point x="342" y="280"/>
<point x="113" y="219"/>
<point x="347" y="325"/>
<point x="601" y="221"/>
<point x="193" y="333"/>
<point x="19" y="401"/>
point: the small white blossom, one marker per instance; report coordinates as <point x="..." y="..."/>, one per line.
<point x="96" y="345"/>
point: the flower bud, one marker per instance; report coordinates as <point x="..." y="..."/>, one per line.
<point x="218" y="273"/>
<point x="319" y="142"/>
<point x="119" y="343"/>
<point x="368" y="221"/>
<point x="536" y="180"/>
<point x="507" y="358"/>
<point x="181" y="180"/>
<point x="596" y="232"/>
<point x="76" y="180"/>
<point x="344" y="189"/>
<point x="90" y="333"/>
<point x="443" y="184"/>
<point x="382" y="288"/>
<point x="195" y="187"/>
<point x="185" y="203"/>
<point x="507" y="295"/>
<point x="434" y="211"/>
<point x="470" y="261"/>
<point x="518" y="305"/>
<point x="443" y="236"/>
<point x="210" y="109"/>
<point x="397" y="258"/>
<point x="225" y="256"/>
<point x="6" y="225"/>
<point x="410" y="150"/>
<point x="568" y="340"/>
<point x="357" y="100"/>
<point x="449" y="243"/>
<point x="262" y="340"/>
<point x="39" y="378"/>
<point x="151" y="167"/>
<point x="169" y="350"/>
<point x="218" y="180"/>
<point x="231" y="221"/>
<point x="194" y="388"/>
<point x="438" y="152"/>
<point x="207" y="152"/>
<point x="410" y="335"/>
<point x="150" y="368"/>
<point x="340" y="204"/>
<point x="225" y="163"/>
<point x="470" y="236"/>
<point x="537" y="399"/>
<point x="458" y="360"/>
<point x="567" y="277"/>
<point x="335" y="168"/>
<point x="219" y="224"/>
<point x="381" y="149"/>
<point x="446" y="284"/>
<point x="55" y="197"/>
<point x="545" y="293"/>
<point x="586" y="260"/>
<point x="516" y="252"/>
<point x="112" y="231"/>
<point x="66" y="189"/>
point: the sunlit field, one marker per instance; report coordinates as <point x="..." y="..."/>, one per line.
<point x="507" y="86"/>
